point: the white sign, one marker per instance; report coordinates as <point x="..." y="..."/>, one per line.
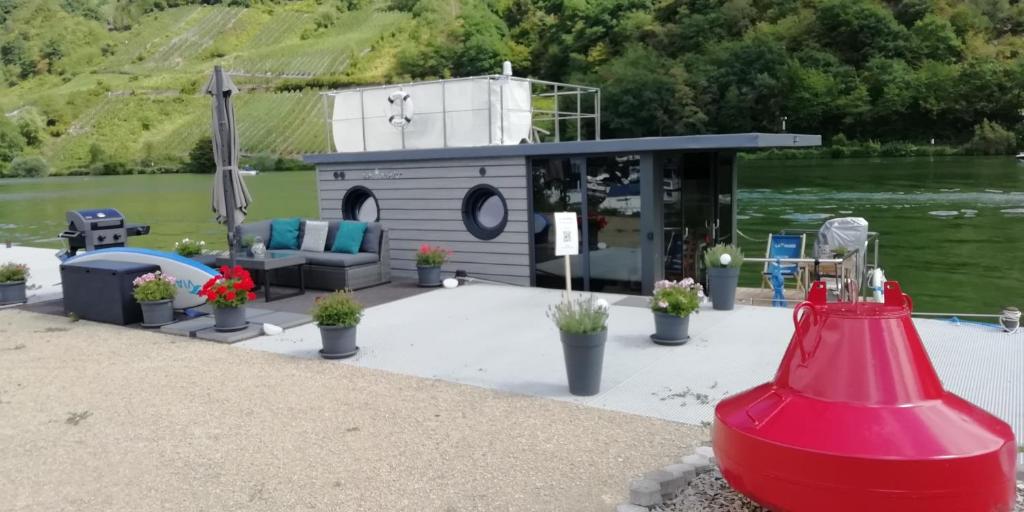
<point x="567" y="235"/>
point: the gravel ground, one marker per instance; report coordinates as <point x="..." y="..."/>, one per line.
<point x="710" y="493"/>
<point x="97" y="417"/>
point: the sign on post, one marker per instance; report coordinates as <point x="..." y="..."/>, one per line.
<point x="567" y="241"/>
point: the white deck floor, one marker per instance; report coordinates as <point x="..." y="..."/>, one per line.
<point x="498" y="337"/>
<point x="44" y="269"/>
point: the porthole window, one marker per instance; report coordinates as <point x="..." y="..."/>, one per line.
<point x="484" y="212"/>
<point x="360" y="204"/>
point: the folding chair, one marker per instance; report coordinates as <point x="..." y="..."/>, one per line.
<point x="785" y="246"/>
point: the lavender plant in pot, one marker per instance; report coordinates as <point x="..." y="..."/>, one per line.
<point x="337" y="316"/>
<point x="583" y="325"/>
<point x="155" y="292"/>
<point x="428" y="264"/>
<point x="723" y="264"/>
<point x="13" y="277"/>
<point x="673" y="303"/>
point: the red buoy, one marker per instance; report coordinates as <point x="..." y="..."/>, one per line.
<point x="856" y="419"/>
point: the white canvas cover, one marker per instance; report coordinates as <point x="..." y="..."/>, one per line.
<point x="453" y="113"/>
<point x="848" y="232"/>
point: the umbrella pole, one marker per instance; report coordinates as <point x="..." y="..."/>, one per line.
<point x="229" y="196"/>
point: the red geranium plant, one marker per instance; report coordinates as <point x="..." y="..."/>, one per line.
<point x="232" y="288"/>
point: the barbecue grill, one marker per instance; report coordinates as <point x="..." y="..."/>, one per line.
<point x="98" y="228"/>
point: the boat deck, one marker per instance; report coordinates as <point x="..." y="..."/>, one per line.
<point x="497" y="337"/>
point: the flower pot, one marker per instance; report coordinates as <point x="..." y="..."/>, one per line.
<point x="12" y="293"/>
<point x="671" y="329"/>
<point x="156" y="313"/>
<point x="584" y="358"/>
<point x="429" y="276"/>
<point x="339" y="342"/>
<point x="722" y="286"/>
<point x="229" y="319"/>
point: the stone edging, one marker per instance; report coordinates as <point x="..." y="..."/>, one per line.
<point x="657" y="485"/>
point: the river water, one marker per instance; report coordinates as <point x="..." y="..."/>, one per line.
<point x="951" y="229"/>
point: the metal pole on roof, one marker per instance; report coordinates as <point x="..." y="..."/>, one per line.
<point x="327" y="124"/>
<point x="558" y="134"/>
<point x="579" y="116"/>
<point x="597" y="113"/>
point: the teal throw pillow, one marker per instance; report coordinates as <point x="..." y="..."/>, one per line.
<point x="349" y="237"/>
<point x="284" y="233"/>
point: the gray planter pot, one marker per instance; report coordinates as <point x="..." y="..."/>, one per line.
<point x="339" y="342"/>
<point x="12" y="293"/>
<point x="229" y="319"/>
<point x="156" y="313"/>
<point x="584" y="359"/>
<point x="722" y="284"/>
<point x="429" y="276"/>
<point x="671" y="329"/>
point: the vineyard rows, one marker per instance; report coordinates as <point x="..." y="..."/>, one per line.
<point x="199" y="37"/>
<point x="281" y="123"/>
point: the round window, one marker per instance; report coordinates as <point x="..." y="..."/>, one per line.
<point x="484" y="212"/>
<point x="360" y="204"/>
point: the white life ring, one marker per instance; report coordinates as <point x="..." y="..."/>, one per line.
<point x="402" y="109"/>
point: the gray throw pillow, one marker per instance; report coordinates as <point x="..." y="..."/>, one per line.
<point x="315" y="237"/>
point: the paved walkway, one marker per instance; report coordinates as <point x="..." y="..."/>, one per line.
<point x="498" y="337"/>
<point x="44" y="269"/>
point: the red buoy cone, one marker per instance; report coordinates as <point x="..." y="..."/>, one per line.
<point x="856" y="419"/>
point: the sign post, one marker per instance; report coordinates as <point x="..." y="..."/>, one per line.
<point x="567" y="242"/>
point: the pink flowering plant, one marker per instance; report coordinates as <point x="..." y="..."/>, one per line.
<point x="677" y="298"/>
<point x="429" y="256"/>
<point x="13" y="272"/>
<point x="153" y="287"/>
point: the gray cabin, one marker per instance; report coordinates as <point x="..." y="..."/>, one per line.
<point x="647" y="207"/>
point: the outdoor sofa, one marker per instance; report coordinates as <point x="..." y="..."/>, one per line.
<point x="329" y="270"/>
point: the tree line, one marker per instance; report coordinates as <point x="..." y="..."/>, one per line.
<point x="913" y="70"/>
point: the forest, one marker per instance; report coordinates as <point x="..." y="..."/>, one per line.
<point x="86" y="83"/>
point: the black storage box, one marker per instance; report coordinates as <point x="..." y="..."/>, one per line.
<point x="101" y="290"/>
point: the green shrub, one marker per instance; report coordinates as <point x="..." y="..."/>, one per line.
<point x="990" y="138"/>
<point x="677" y="298"/>
<point x="153" y="287"/>
<point x="13" y="272"/>
<point x="582" y="315"/>
<point x="713" y="256"/>
<point x="337" y="309"/>
<point x="29" y="167"/>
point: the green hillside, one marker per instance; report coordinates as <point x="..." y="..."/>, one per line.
<point x="133" y="96"/>
<point x="115" y="85"/>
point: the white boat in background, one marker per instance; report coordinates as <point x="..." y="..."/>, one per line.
<point x="248" y="171"/>
<point x="1020" y="156"/>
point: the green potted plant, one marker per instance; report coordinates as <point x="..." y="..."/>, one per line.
<point x="189" y="248"/>
<point x="155" y="292"/>
<point x="723" y="263"/>
<point x="673" y="303"/>
<point x="583" y="325"/>
<point x="228" y="293"/>
<point x="337" y="316"/>
<point x="12" y="283"/>
<point x="428" y="264"/>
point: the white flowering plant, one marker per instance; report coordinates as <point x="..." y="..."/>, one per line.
<point x="677" y="298"/>
<point x="189" y="248"/>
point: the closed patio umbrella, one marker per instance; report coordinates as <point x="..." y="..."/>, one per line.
<point x="231" y="198"/>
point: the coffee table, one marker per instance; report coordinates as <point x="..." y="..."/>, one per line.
<point x="264" y="265"/>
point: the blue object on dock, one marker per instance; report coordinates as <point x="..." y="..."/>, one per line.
<point x="778" y="285"/>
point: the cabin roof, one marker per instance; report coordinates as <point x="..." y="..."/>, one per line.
<point x="730" y="141"/>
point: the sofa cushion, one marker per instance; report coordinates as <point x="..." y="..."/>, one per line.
<point x="340" y="259"/>
<point x="332" y="231"/>
<point x="259" y="228"/>
<point x="349" y="237"/>
<point x="284" y="233"/>
<point x="315" y="236"/>
<point x="371" y="239"/>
